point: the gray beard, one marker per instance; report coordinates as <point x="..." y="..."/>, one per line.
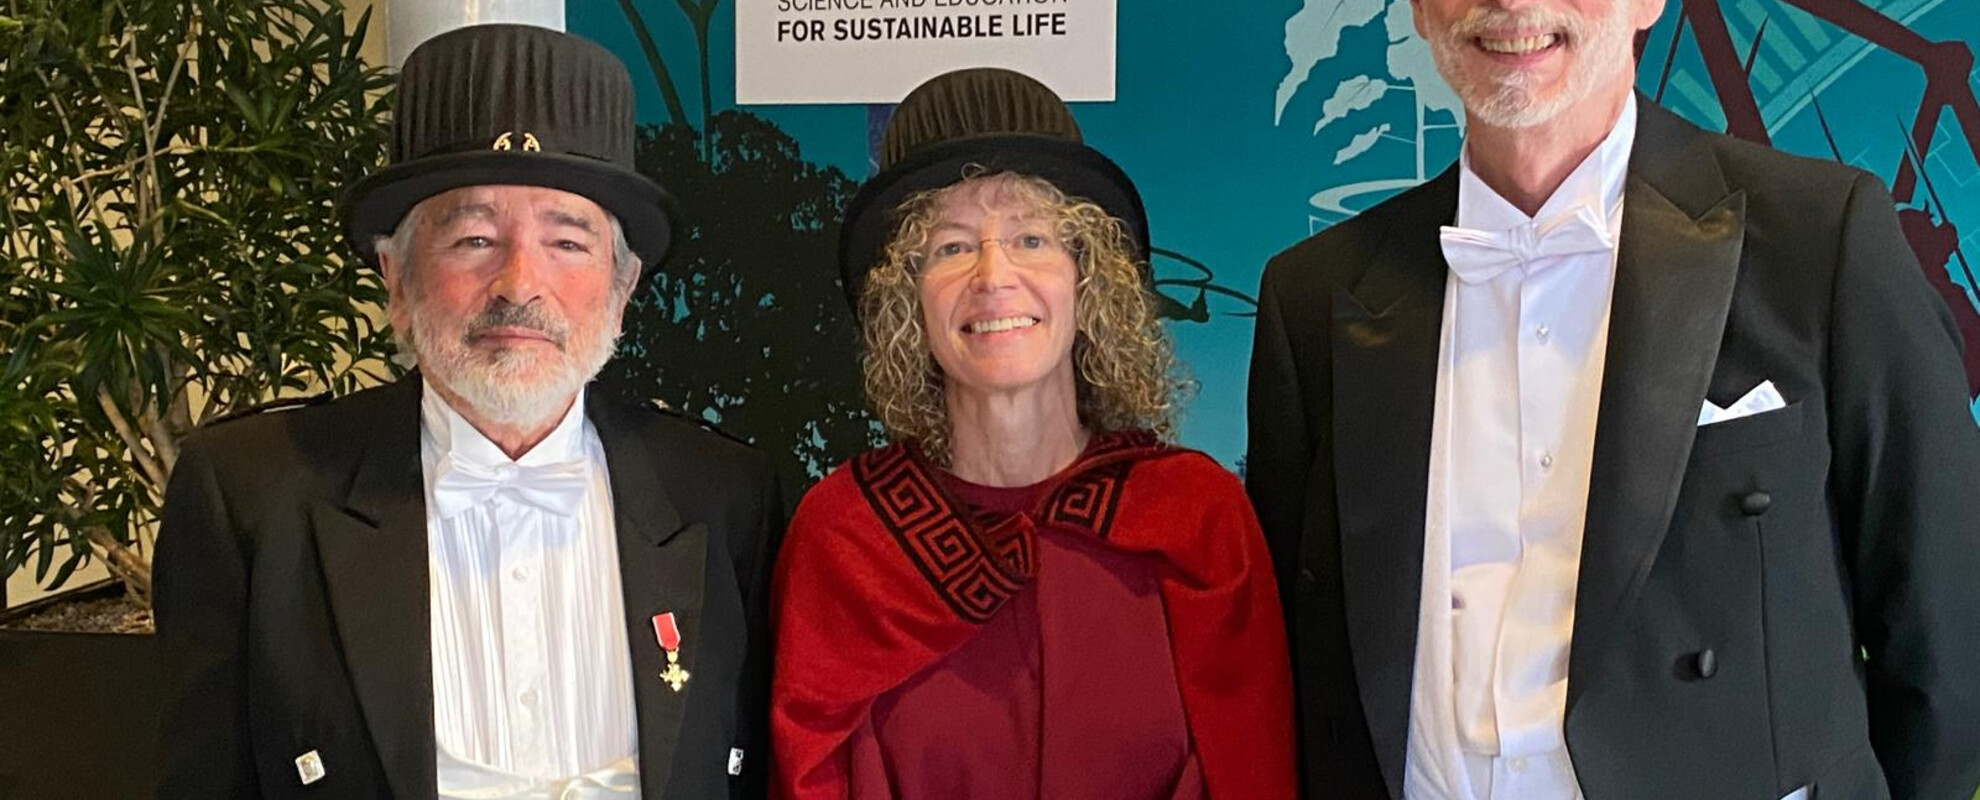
<point x="495" y="389"/>
<point x="1512" y="103"/>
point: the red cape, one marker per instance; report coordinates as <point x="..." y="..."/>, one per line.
<point x="882" y="574"/>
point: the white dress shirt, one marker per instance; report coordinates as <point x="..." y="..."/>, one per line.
<point x="532" y="676"/>
<point x="1519" y="383"/>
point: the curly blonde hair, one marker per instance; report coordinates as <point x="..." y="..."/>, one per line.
<point x="1124" y="365"/>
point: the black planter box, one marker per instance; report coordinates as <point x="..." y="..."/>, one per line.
<point x="78" y="716"/>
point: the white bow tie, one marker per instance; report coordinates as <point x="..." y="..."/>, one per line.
<point x="556" y="487"/>
<point x="1479" y="256"/>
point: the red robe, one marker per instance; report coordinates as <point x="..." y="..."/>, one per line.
<point x="883" y="574"/>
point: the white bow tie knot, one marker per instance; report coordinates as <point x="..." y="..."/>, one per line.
<point x="1479" y="256"/>
<point x="556" y="487"/>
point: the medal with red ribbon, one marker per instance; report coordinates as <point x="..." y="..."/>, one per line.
<point x="668" y="633"/>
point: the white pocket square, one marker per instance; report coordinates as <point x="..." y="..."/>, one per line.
<point x="1762" y="399"/>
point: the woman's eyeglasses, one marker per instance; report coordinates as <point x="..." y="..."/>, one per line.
<point x="1025" y="248"/>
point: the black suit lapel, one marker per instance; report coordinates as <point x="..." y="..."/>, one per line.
<point x="1678" y="261"/>
<point x="373" y="550"/>
<point x="1385" y="344"/>
<point x="663" y="569"/>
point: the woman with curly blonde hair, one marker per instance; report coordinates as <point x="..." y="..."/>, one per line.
<point x="1033" y="592"/>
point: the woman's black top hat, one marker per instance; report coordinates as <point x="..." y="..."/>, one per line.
<point x="995" y="119"/>
<point x="513" y="104"/>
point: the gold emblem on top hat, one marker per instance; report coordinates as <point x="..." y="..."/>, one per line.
<point x="506" y="142"/>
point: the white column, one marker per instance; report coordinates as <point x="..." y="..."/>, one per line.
<point x="415" y="21"/>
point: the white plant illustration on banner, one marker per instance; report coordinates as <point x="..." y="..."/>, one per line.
<point x="1313" y="37"/>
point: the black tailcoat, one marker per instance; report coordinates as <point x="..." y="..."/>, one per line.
<point x="291" y="601"/>
<point x="1825" y="555"/>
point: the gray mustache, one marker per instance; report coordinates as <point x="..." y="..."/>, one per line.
<point x="529" y="317"/>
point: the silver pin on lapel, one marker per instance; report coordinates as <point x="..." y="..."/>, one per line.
<point x="309" y="767"/>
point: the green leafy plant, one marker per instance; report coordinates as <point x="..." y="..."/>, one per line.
<point x="171" y="252"/>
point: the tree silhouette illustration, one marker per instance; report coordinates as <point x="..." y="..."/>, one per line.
<point x="745" y="326"/>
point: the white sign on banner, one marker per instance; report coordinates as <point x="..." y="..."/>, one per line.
<point x="876" y="51"/>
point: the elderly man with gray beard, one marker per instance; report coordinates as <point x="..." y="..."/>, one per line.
<point x="1622" y="460"/>
<point x="483" y="580"/>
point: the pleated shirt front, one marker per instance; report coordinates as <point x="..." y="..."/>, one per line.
<point x="532" y="676"/>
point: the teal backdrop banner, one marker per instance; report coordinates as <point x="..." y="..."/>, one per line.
<point x="1247" y="127"/>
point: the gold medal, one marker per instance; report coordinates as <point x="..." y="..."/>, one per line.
<point x="673" y="674"/>
<point x="668" y="634"/>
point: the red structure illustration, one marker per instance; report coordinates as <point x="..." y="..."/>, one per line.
<point x="1946" y="65"/>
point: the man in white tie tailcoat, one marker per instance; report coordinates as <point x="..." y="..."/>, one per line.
<point x="1622" y="460"/>
<point x="484" y="580"/>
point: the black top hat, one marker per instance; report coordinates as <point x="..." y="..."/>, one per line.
<point x="1000" y="120"/>
<point x="513" y="104"/>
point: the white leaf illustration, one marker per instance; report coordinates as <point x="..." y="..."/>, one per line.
<point x="1354" y="94"/>
<point x="1360" y="144"/>
<point x="1410" y="61"/>
<point x="1314" y="34"/>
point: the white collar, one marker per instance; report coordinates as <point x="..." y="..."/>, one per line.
<point x="1596" y="182"/>
<point x="449" y="433"/>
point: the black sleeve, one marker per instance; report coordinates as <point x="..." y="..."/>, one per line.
<point x="199" y="603"/>
<point x="753" y="574"/>
<point x="1907" y="454"/>
<point x="1276" y="453"/>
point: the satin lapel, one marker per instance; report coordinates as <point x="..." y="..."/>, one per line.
<point x="1385" y="338"/>
<point x="373" y="550"/>
<point x="663" y="566"/>
<point x="1675" y="272"/>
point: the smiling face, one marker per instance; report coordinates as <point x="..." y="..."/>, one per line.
<point x="997" y="287"/>
<point x="1523" y="63"/>
<point x="509" y="296"/>
<point x="1097" y="334"/>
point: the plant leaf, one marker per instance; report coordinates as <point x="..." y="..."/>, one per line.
<point x="1360" y="144"/>
<point x="1313" y="35"/>
<point x="1353" y="94"/>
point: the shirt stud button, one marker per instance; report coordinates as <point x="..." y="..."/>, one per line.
<point x="1546" y="460"/>
<point x="1542" y="332"/>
